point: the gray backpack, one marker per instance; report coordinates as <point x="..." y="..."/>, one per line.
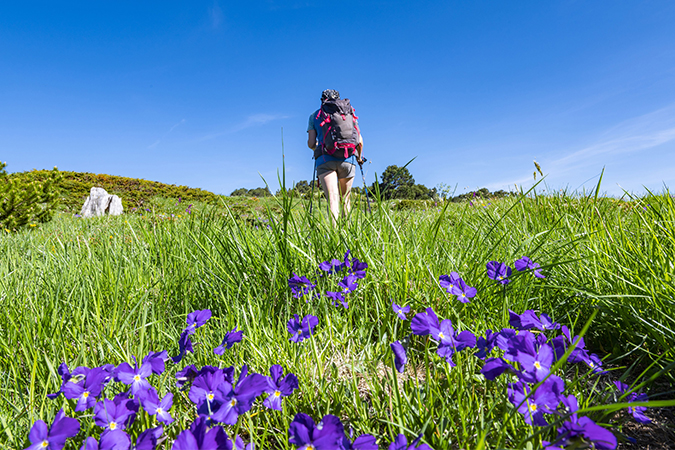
<point x="339" y="129"/>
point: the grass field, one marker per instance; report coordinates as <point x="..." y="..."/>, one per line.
<point x="97" y="291"/>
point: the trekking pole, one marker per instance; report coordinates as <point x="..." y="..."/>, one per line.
<point x="311" y="199"/>
<point x="364" y="183"/>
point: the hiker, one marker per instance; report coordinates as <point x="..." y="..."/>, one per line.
<point x="333" y="133"/>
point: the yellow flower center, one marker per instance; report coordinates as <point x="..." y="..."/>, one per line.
<point x="160" y="410"/>
<point x="45" y="444"/>
<point x="441" y="335"/>
<point x="277" y="393"/>
<point x="533" y="407"/>
<point x="210" y="396"/>
<point x="500" y="277"/>
<point x="85" y="394"/>
<point x="537" y="365"/>
<point x="591" y="364"/>
<point x="233" y="402"/>
<point x="310" y="447"/>
<point x="137" y="378"/>
<point x="299" y="331"/>
<point x="113" y="425"/>
<point x="463" y="295"/>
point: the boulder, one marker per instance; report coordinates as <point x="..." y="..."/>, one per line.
<point x="100" y="202"/>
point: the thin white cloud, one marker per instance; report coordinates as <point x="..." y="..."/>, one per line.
<point x="215" y="15"/>
<point x="635" y="135"/>
<point x="251" y="121"/>
<point x="156" y="143"/>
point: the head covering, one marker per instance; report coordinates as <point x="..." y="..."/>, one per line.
<point x="330" y="94"/>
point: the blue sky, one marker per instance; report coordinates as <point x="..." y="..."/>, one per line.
<point x="197" y="93"/>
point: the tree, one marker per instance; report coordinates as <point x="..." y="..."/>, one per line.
<point x="27" y="202"/>
<point x="257" y="192"/>
<point x="397" y="182"/>
<point x="302" y="187"/>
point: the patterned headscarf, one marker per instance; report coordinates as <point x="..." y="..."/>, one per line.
<point x="330" y="94"/>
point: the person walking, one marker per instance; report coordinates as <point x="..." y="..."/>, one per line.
<point x="334" y="135"/>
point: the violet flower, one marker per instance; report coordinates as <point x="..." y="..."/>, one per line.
<point x="424" y="323"/>
<point x="238" y="399"/>
<point x="231" y="337"/>
<point x="113" y="416"/>
<point x="54" y="437"/>
<point x="301" y="329"/>
<point x="197" y="319"/>
<point x="499" y="272"/>
<point x="463" y="292"/>
<point x="448" y="282"/>
<point x="279" y="387"/>
<point x="153" y="406"/>
<point x="400" y="357"/>
<point x="184" y="346"/>
<point x="401" y="443"/>
<point x="134" y="377"/>
<point x="86" y="392"/>
<point x="300" y="285"/>
<point x="305" y="435"/>
<point x="200" y="437"/>
<point x="526" y="263"/>
<point x="400" y="311"/>
<point x="543" y="401"/>
<point x="636" y="411"/>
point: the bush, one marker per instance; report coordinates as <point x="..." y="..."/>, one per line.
<point x="27" y="201"/>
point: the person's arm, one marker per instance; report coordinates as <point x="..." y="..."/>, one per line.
<point x="311" y="139"/>
<point x="359" y="150"/>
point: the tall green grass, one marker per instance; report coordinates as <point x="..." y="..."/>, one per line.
<point x="97" y="291"/>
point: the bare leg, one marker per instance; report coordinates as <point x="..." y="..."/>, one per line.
<point x="346" y="193"/>
<point x="329" y="182"/>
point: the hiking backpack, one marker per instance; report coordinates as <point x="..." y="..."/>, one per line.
<point x="338" y="127"/>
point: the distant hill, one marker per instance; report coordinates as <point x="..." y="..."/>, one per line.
<point x="134" y="192"/>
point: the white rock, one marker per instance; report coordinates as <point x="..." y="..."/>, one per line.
<point x="100" y="202"/>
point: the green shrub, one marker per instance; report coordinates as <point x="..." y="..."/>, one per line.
<point x="27" y="201"/>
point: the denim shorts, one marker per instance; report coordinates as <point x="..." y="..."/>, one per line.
<point x="344" y="169"/>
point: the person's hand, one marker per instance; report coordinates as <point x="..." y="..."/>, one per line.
<point x="359" y="159"/>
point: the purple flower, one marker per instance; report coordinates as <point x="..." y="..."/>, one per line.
<point x="64" y="373"/>
<point x="424" y="323"/>
<point x="400" y="311"/>
<point x="449" y="281"/>
<point x="231" y="337"/>
<point x="494" y="367"/>
<point x="300" y="285"/>
<point x="462" y="291"/>
<point x="499" y="272"/>
<point x="55" y="437"/>
<point x="87" y="390"/>
<point x="526" y="263"/>
<point x="301" y="329"/>
<point x="305" y="435"/>
<point x="636" y="411"/>
<point x="485" y="344"/>
<point x="595" y="363"/>
<point x="363" y="442"/>
<point x="529" y="320"/>
<point x="449" y="342"/>
<point x="579" y="433"/>
<point x="156" y="361"/>
<point x="186" y="375"/>
<point x="358" y="268"/>
<point x="400" y="357"/>
<point x="536" y="366"/>
<point x="401" y="443"/>
<point x="279" y="387"/>
<point x="238" y="399"/>
<point x="153" y="406"/>
<point x="348" y="284"/>
<point x="197" y="319"/>
<point x="543" y="401"/>
<point x="337" y="297"/>
<point x="200" y="437"/>
<point x="134" y="377"/>
<point x="113" y="415"/>
<point x="205" y="385"/>
<point x="332" y="266"/>
<point x="184" y="346"/>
